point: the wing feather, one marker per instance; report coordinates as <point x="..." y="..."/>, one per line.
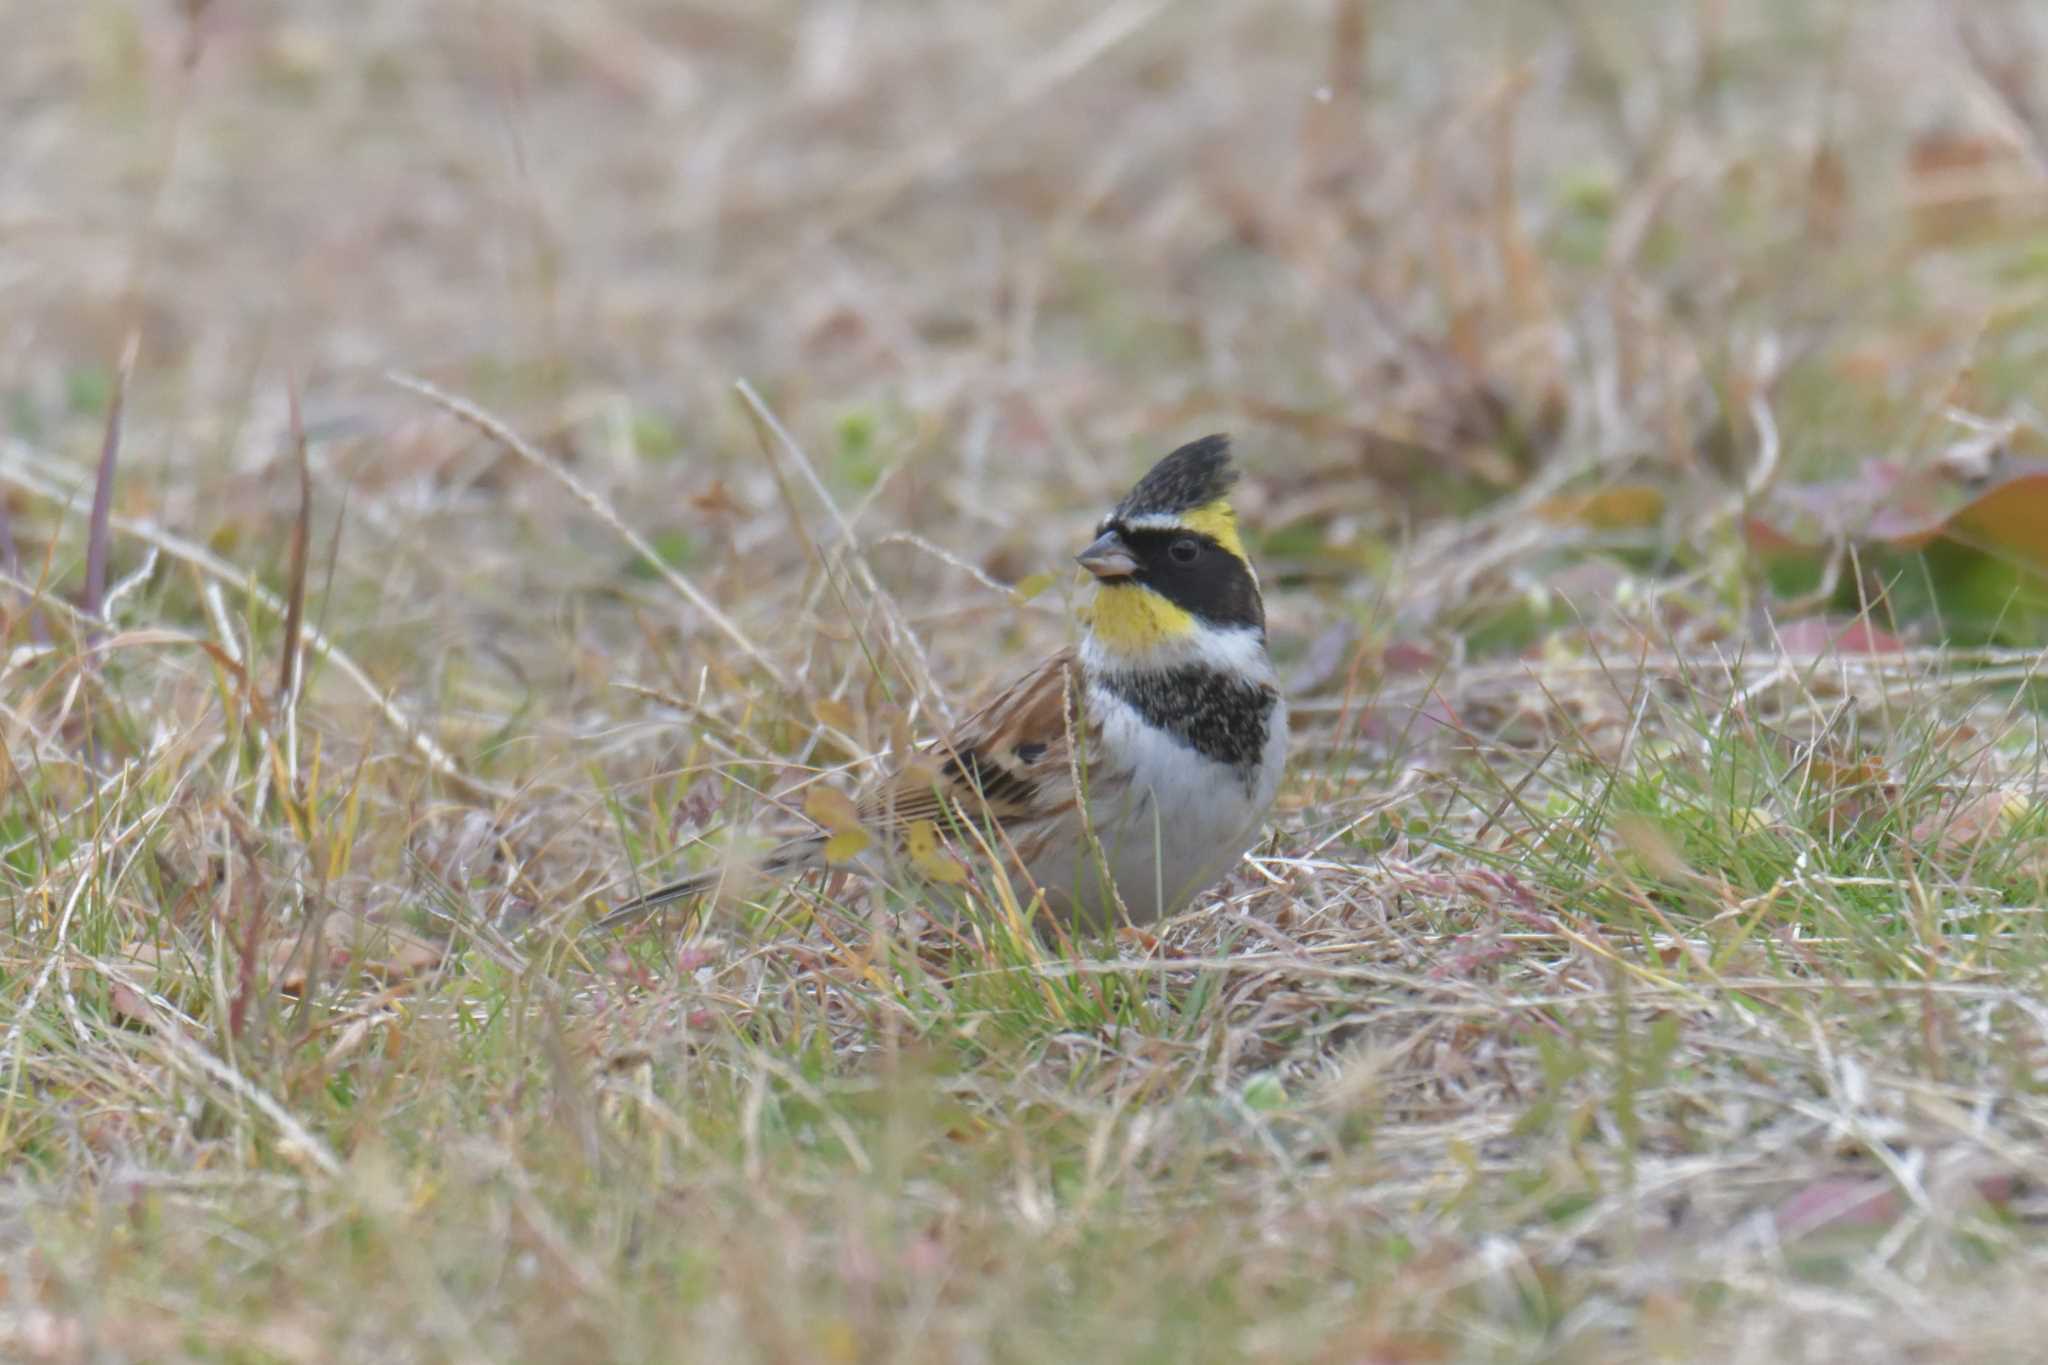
<point x="1006" y="767"/>
<point x="1006" y="764"/>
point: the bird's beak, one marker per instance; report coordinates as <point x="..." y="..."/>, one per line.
<point x="1108" y="557"/>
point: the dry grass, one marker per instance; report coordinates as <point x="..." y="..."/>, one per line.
<point x="1622" y="981"/>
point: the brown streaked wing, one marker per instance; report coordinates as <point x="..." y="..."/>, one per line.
<point x="1009" y="759"/>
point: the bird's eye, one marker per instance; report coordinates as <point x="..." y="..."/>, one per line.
<point x="1185" y="551"/>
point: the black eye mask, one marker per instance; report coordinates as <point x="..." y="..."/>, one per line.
<point x="1210" y="583"/>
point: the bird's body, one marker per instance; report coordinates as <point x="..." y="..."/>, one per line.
<point x="1149" y="752"/>
<point x="1174" y="819"/>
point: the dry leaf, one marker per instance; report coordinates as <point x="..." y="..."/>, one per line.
<point x="831" y="809"/>
<point x="1748" y="820"/>
<point x="1032" y="585"/>
<point x="2007" y="517"/>
<point x="1838" y="1202"/>
<point x="930" y="857"/>
<point x="837" y="714"/>
<point x="344" y="942"/>
<point x="127" y="1003"/>
<point x="1817" y="637"/>
<point x="846" y="844"/>
<point x="1624" y="507"/>
<point x="1961" y="827"/>
<point x="1654" y="850"/>
<point x="717" y="501"/>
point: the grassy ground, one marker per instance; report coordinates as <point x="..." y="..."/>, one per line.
<point x="1631" y="974"/>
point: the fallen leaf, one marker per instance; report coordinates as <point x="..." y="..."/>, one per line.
<point x="1622" y="507"/>
<point x="1032" y="585"/>
<point x="1749" y="820"/>
<point x="127" y="1003"/>
<point x="832" y="809"/>
<point x="930" y="857"/>
<point x="1764" y="537"/>
<point x="1430" y="718"/>
<point x="837" y="714"/>
<point x="1965" y="824"/>
<point x="1653" y="850"/>
<point x="1408" y="657"/>
<point x="383" y="951"/>
<point x="2007" y="517"/>
<point x="847" y="844"/>
<point x="1818" y="637"/>
<point x="343" y="942"/>
<point x="2010" y="516"/>
<point x="1854" y="787"/>
<point x="1806" y="518"/>
<point x="698" y="805"/>
<point x="1837" y="1202"/>
<point x="716" y="501"/>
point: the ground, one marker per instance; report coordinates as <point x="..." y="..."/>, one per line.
<point x="539" y="440"/>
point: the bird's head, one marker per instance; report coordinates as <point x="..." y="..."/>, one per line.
<point x="1171" y="572"/>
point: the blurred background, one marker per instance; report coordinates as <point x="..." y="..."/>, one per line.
<point x="1613" y="381"/>
<point x="986" y="260"/>
<point x="1516" y="311"/>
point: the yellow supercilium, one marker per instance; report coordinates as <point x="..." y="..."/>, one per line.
<point x="1217" y="520"/>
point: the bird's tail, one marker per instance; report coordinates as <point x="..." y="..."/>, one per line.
<point x="797" y="855"/>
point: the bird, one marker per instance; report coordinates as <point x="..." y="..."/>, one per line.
<point x="1129" y="771"/>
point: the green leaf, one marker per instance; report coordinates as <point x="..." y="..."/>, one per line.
<point x="1264" y="1093"/>
<point x="676" y="548"/>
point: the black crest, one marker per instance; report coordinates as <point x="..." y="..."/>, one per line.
<point x="1193" y="476"/>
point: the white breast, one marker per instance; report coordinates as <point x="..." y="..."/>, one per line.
<point x="1172" y="830"/>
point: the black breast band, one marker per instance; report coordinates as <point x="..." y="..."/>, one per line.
<point x="1215" y="714"/>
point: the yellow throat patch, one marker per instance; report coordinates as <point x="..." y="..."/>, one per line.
<point x="1133" y="620"/>
<point x="1128" y="619"/>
